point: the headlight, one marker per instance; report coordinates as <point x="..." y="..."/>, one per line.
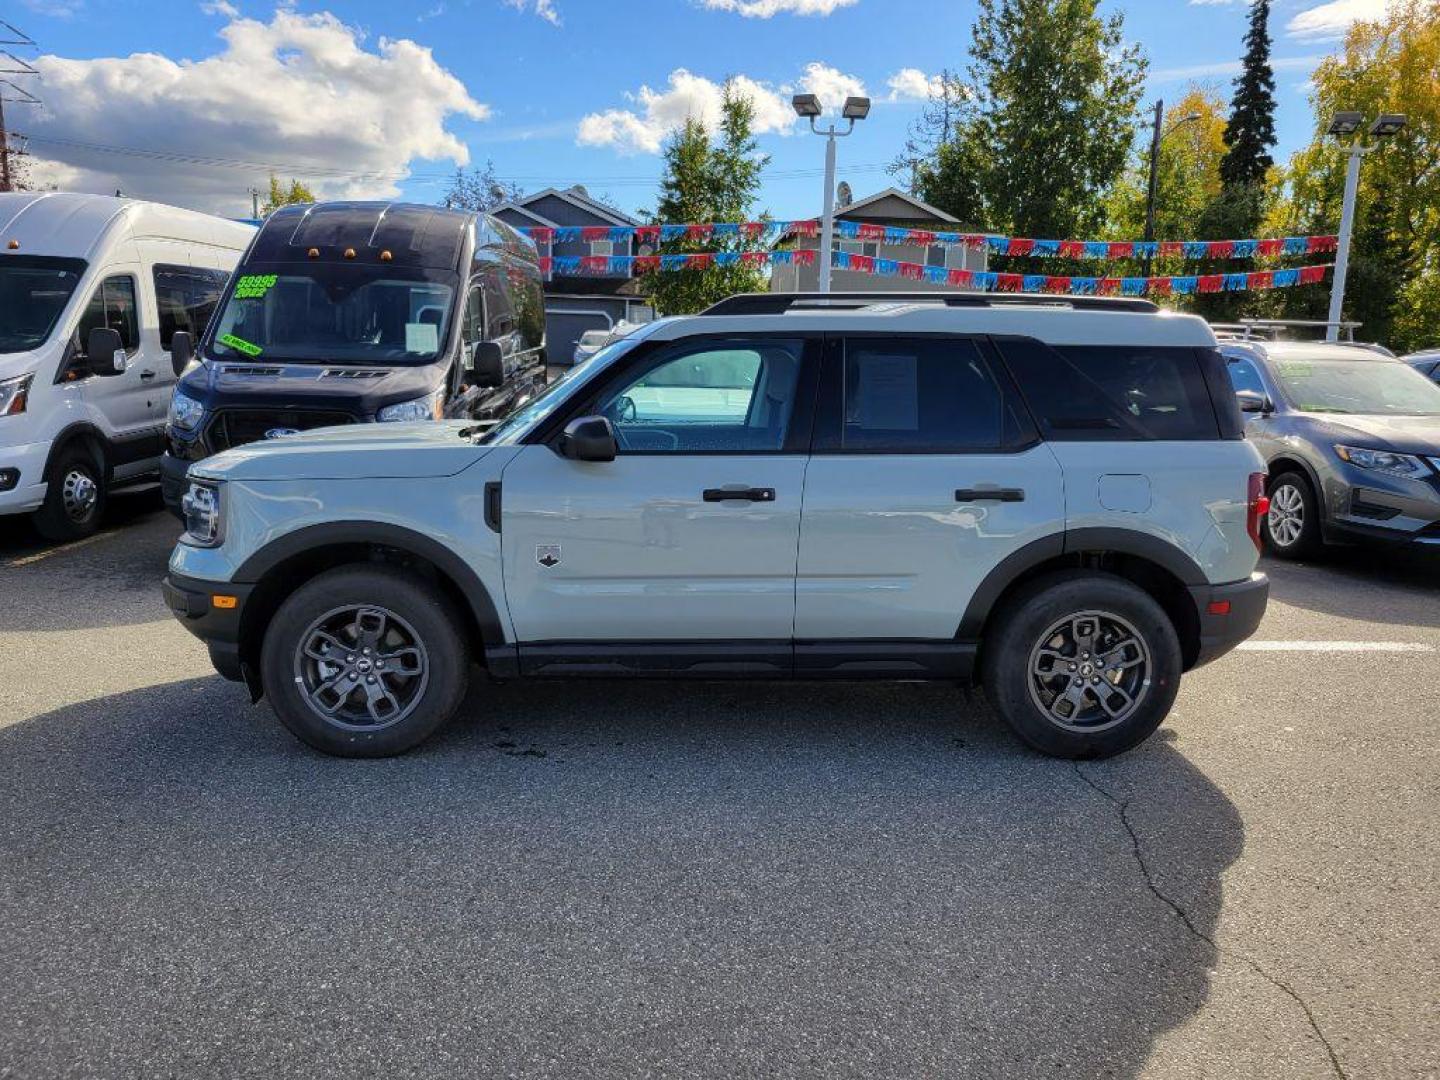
<point x="1384" y="461"/>
<point x="429" y="407"/>
<point x="14" y="394"/>
<point x="201" y="507"/>
<point x="185" y="412"/>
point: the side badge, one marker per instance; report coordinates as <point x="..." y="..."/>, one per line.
<point x="547" y="555"/>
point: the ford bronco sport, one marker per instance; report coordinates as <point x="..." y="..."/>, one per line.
<point x="1052" y="497"/>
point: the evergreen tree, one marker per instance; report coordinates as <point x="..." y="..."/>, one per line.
<point x="1251" y="131"/>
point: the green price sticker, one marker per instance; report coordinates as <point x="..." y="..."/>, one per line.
<point x="254" y="286"/>
<point x="239" y="344"/>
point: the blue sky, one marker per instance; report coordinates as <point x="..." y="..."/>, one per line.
<point x="553" y="91"/>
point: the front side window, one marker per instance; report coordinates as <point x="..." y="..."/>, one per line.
<point x="1243" y="376"/>
<point x="335" y="314"/>
<point x="112" y="304"/>
<point x="724" y="397"/>
<point x="1358" y="386"/>
<point x="921" y="396"/>
<point x="186" y="298"/>
<point x="34" y="290"/>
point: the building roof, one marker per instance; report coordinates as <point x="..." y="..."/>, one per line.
<point x="577" y="199"/>
<point x="874" y="203"/>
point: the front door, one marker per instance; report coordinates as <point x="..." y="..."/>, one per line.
<point x="132" y="404"/>
<point x="690" y="534"/>
<point x="926" y="474"/>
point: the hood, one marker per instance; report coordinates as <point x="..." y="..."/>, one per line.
<point x="361" y="391"/>
<point x="1403" y="434"/>
<point x="352" y="452"/>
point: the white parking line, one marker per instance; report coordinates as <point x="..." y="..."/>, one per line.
<point x="1335" y="646"/>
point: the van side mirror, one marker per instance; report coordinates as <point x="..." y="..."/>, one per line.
<point x="104" y="353"/>
<point x="487" y="363"/>
<point x="1252" y="401"/>
<point x="182" y="350"/>
<point x="589" y="438"/>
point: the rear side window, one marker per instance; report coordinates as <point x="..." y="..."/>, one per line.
<point x="186" y="298"/>
<point x="1113" y="392"/>
<point x="921" y="395"/>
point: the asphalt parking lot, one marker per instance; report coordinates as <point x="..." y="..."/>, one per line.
<point x="714" y="880"/>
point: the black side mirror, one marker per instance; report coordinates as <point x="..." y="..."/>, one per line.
<point x="590" y="438"/>
<point x="182" y="350"/>
<point x="104" y="353"/>
<point x="487" y="363"/>
<point x="1252" y="401"/>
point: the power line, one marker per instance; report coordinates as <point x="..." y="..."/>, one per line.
<point x="21" y="96"/>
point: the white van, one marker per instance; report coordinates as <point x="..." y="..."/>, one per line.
<point x="83" y="413"/>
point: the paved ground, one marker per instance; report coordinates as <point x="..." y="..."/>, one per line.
<point x="623" y="881"/>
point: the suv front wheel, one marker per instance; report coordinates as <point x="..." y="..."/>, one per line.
<point x="364" y="661"/>
<point x="1082" y="664"/>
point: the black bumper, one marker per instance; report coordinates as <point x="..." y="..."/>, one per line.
<point x="1228" y="614"/>
<point x="172" y="481"/>
<point x="193" y="602"/>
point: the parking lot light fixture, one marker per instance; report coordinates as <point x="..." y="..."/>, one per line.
<point x="808" y="107"/>
<point x="1387" y="124"/>
<point x="1345" y="125"/>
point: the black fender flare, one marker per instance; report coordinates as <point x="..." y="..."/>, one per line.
<point x="1121" y="541"/>
<point x="330" y="534"/>
<point x="80" y="429"/>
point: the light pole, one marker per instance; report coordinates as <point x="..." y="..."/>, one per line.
<point x="1152" y="190"/>
<point x="808" y="107"/>
<point x="1348" y="124"/>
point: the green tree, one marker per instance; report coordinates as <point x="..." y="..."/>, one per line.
<point x="1047" y="120"/>
<point x="1388" y="65"/>
<point x="283" y="196"/>
<point x="934" y="128"/>
<point x="479" y="190"/>
<point x="1251" y="131"/>
<point x="708" y="178"/>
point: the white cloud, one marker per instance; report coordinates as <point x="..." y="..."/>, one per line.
<point x="544" y="8"/>
<point x="765" y="9"/>
<point x="1331" y="20"/>
<point x="657" y="113"/>
<point x="1211" y="3"/>
<point x="301" y="92"/>
<point x="912" y="84"/>
<point x="220" y="7"/>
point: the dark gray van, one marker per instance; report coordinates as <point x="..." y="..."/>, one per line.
<point x="352" y="312"/>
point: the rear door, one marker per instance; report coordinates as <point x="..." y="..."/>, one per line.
<point x="690" y="534"/>
<point x="925" y="474"/>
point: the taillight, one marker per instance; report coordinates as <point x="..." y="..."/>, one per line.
<point x="1257" y="505"/>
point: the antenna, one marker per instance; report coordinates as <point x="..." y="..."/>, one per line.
<point x="13" y="92"/>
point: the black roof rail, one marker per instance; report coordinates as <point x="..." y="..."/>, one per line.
<point x="779" y="303"/>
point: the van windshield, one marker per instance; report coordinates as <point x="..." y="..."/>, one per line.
<point x="34" y="290"/>
<point x="327" y="314"/>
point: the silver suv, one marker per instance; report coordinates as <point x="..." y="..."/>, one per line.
<point x="1351" y="439"/>
<point x="1053" y="497"/>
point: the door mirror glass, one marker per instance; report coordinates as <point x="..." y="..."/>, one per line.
<point x="589" y="438"/>
<point x="104" y="353"/>
<point x="488" y="364"/>
<point x="1252" y="401"/>
<point x="182" y="350"/>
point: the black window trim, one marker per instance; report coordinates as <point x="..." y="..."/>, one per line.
<point x="828" y="438"/>
<point x="219" y="278"/>
<point x="798" y="437"/>
<point x="135" y="294"/>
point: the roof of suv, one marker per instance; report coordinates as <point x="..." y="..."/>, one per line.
<point x="1055" y="322"/>
<point x="1305" y="350"/>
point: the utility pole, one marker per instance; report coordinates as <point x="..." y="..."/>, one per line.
<point x="16" y="94"/>
<point x="1154" y="187"/>
<point x="255" y="204"/>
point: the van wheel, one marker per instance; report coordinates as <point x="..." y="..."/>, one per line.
<point x="1082" y="664"/>
<point x="1292" y="527"/>
<point x="74" y="496"/>
<point x="364" y="661"/>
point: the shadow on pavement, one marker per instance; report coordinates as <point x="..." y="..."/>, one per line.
<point x="1381" y="585"/>
<point x="18" y="537"/>
<point x="595" y="880"/>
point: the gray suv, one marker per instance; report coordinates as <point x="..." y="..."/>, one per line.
<point x="1351" y="440"/>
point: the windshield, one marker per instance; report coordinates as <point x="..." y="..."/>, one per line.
<point x="1358" y="386"/>
<point x="34" y="290"/>
<point x="593" y="339"/>
<point x="554" y="395"/>
<point x="324" y="313"/>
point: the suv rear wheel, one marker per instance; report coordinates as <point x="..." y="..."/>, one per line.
<point x="1082" y="664"/>
<point x="364" y="661"/>
<point x="1292" y="527"/>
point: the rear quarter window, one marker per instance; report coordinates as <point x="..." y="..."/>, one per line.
<point x="1116" y="392"/>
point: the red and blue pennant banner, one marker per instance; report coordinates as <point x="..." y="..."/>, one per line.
<point x="770" y="231"/>
<point x="975" y="280"/>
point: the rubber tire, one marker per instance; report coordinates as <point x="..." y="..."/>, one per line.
<point x="410" y="596"/>
<point x="1034" y="608"/>
<point x="1311" y="539"/>
<point x="51" y="521"/>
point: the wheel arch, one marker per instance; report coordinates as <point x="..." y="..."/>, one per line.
<point x="286" y="563"/>
<point x="89" y="436"/>
<point x="1161" y="569"/>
